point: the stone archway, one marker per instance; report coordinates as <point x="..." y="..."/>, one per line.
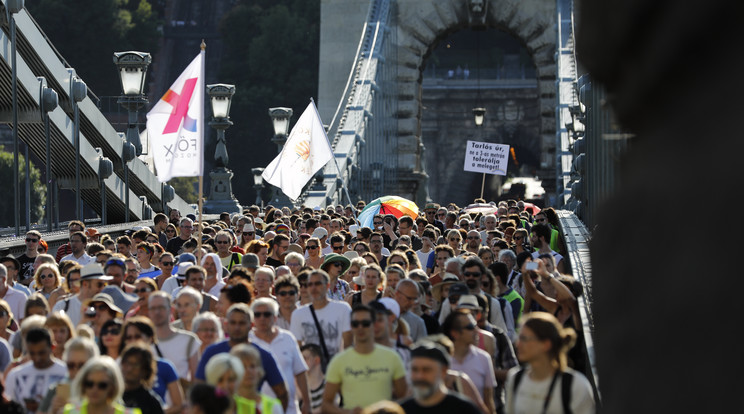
<point x="420" y="24"/>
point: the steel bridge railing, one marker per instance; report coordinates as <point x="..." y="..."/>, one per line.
<point x="365" y="140"/>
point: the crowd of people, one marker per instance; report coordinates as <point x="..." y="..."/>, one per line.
<point x="298" y="311"/>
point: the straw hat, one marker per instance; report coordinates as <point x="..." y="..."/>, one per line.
<point x="436" y="290"/>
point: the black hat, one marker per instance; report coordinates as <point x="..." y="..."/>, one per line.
<point x="10" y="258"/>
<point x="459" y="289"/>
<point x="431" y="350"/>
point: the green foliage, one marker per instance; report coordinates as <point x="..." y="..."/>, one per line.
<point x="88" y="32"/>
<point x="38" y="190"/>
<point x="271" y="55"/>
<point x="186" y="188"/>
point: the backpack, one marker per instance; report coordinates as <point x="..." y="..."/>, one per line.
<point x="566" y="381"/>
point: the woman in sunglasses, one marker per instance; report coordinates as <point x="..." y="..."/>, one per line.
<point x="47" y="279"/>
<point x="142" y="288"/>
<point x="97" y="388"/>
<point x="109" y="341"/>
<point x="314" y="255"/>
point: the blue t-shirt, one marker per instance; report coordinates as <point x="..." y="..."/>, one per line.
<point x="272" y="373"/>
<point x="166" y="374"/>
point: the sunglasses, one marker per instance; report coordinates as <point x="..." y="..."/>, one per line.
<point x="518" y="237"/>
<point x="110" y="331"/>
<point x="365" y="323"/>
<point x="47" y="276"/>
<point x="142" y="290"/>
<point x="73" y="365"/>
<point x="287" y="293"/>
<point x="101" y="385"/>
<point x="337" y="248"/>
<point x="312" y="247"/>
<point x="249" y="233"/>
<point x="266" y="314"/>
<point x="471" y="274"/>
<point x="32" y="240"/>
<point x="166" y="263"/>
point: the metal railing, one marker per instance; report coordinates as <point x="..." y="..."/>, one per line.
<point x="365" y="140"/>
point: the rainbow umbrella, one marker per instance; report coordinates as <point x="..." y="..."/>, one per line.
<point x="397" y="206"/>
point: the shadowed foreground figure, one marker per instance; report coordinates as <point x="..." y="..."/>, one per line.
<point x="673" y="71"/>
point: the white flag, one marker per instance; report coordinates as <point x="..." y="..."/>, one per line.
<point x="306" y="151"/>
<point x="176" y="126"/>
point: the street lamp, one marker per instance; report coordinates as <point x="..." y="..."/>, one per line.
<point x="280" y="118"/>
<point x="479" y="114"/>
<point x="132" y="68"/>
<point x="221" y="197"/>
<point x="258" y="184"/>
<point x="49" y="101"/>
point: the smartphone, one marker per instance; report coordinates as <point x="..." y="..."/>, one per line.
<point x="531" y="266"/>
<point x="90" y="312"/>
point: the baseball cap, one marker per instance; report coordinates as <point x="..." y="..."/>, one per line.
<point x="391" y="305"/>
<point x="428" y="349"/>
<point x="320" y="232"/>
<point x="183" y="267"/>
<point x="459" y="288"/>
<point x="186" y="257"/>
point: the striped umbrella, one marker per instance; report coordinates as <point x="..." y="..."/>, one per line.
<point x="397" y="206"/>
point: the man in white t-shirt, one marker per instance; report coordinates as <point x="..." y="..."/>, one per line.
<point x="283" y="346"/>
<point x="332" y="316"/>
<point x="29" y="382"/>
<point x="176" y="345"/>
<point x="15" y="298"/>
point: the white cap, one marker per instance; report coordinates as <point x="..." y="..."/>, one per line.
<point x="468" y="302"/>
<point x="391" y="305"/>
<point x="320" y="232"/>
<point x="183" y="267"/>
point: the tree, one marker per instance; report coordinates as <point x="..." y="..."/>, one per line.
<point x="271" y="55"/>
<point x="186" y="188"/>
<point x="38" y="190"/>
<point x="88" y="32"/>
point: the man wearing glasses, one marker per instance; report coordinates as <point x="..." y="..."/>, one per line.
<point x="430" y="211"/>
<point x="280" y="246"/>
<point x="26" y="260"/>
<point x="116" y="268"/>
<point x="365" y="373"/>
<point x="331" y="316"/>
<point x="281" y="343"/>
<point x="187" y="228"/>
<point x="92" y="281"/>
<point x="78" y="241"/>
<point x="12" y="265"/>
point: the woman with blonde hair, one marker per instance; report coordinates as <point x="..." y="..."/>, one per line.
<point x="47" y="279"/>
<point x="62" y="330"/>
<point x="98" y="388"/>
<point x="248" y="400"/>
<point x="224" y="371"/>
<point x="546" y="384"/>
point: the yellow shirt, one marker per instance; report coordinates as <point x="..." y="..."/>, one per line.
<point x="365" y="378"/>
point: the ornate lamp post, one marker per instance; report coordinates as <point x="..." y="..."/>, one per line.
<point x="280" y="119"/>
<point x="258" y="185"/>
<point x="221" y="197"/>
<point x="132" y="68"/>
<point x="479" y="114"/>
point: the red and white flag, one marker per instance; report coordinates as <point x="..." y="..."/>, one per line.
<point x="176" y="125"/>
<point x="306" y="151"/>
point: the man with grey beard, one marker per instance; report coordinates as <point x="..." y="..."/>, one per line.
<point x="429" y="363"/>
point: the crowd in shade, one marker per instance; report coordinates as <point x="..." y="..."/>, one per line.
<point x="279" y="310"/>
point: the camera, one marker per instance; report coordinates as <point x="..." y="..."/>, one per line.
<point x="531" y="266"/>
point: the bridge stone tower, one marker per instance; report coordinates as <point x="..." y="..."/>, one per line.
<point x="419" y="26"/>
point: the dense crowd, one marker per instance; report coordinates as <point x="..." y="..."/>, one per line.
<point x="298" y="311"/>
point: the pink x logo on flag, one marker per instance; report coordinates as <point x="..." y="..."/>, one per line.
<point x="180" y="104"/>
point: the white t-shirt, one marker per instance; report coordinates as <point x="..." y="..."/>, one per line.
<point x="17" y="302"/>
<point x="73" y="309"/>
<point x="531" y="394"/>
<point x="288" y="357"/>
<point x="27" y="381"/>
<point x="170" y="285"/>
<point x="82" y="260"/>
<point x="178" y="349"/>
<point x="334" y="319"/>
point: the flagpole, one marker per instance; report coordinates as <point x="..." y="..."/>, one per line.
<point x="343" y="183"/>
<point x="203" y="48"/>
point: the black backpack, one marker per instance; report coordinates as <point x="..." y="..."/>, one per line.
<point x="566" y="381"/>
